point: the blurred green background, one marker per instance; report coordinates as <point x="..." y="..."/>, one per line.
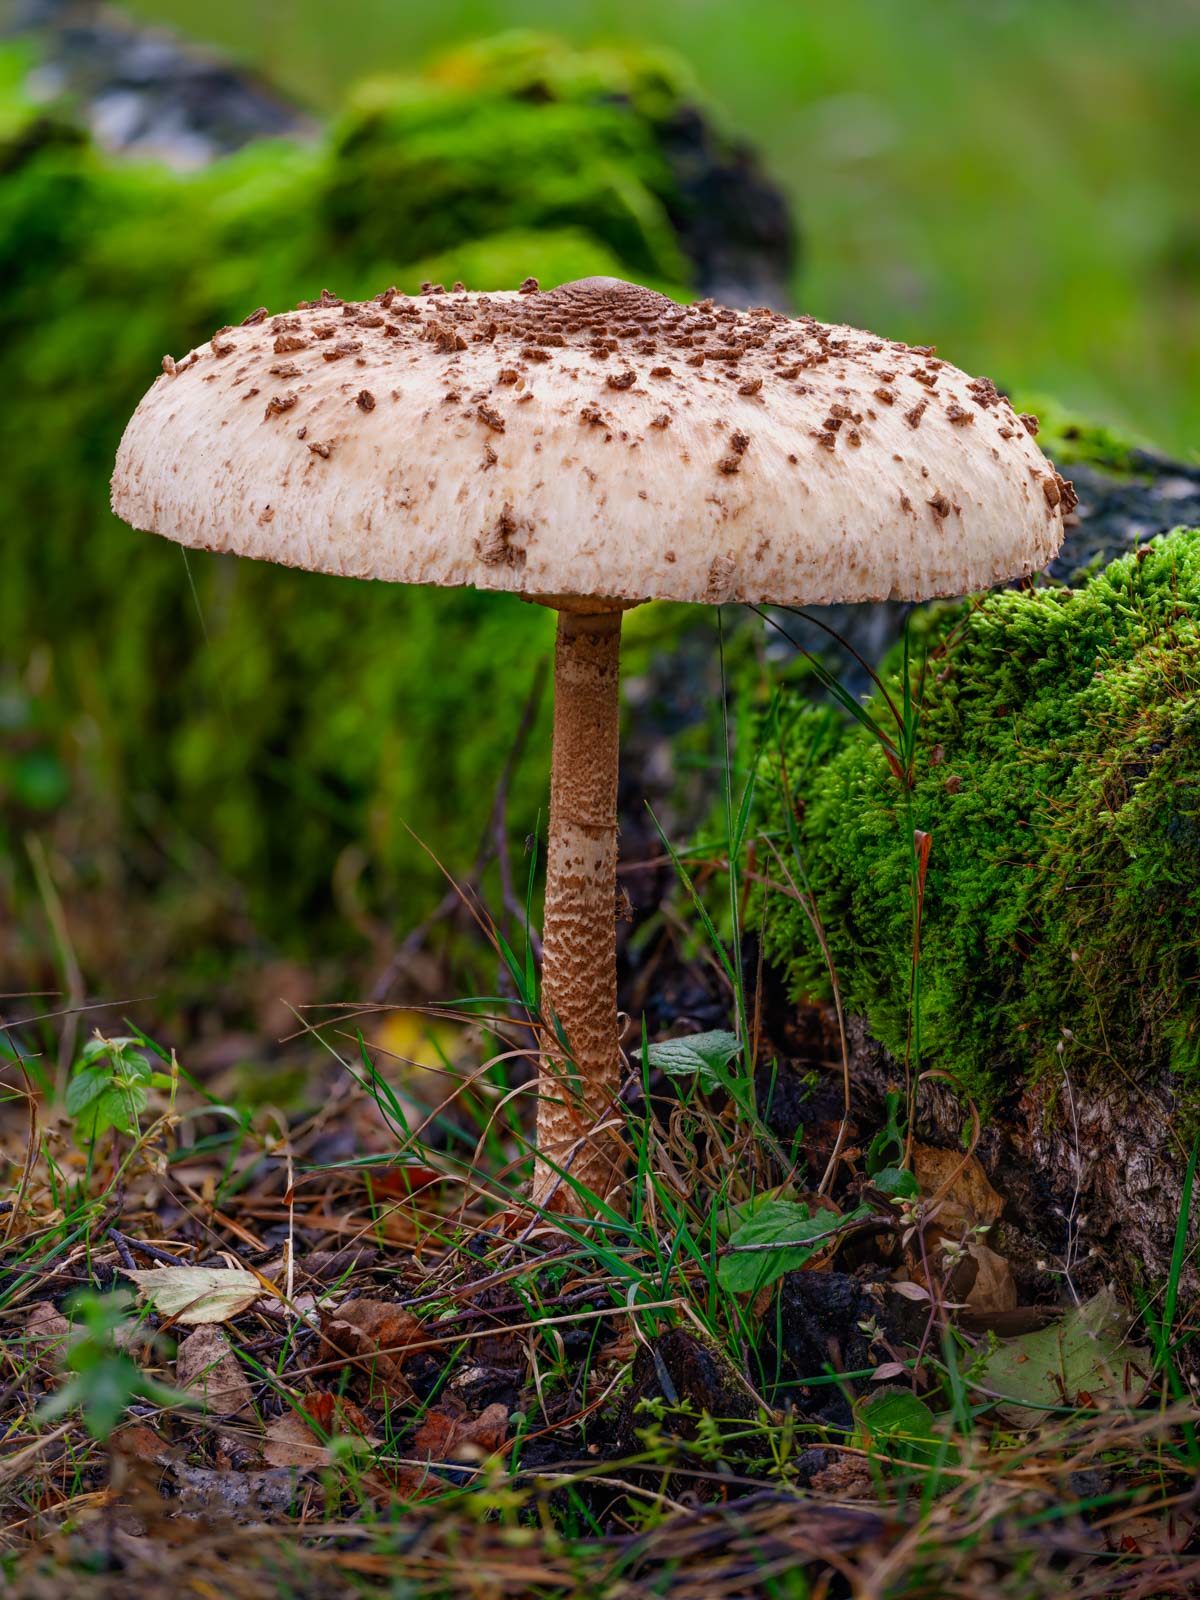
<point x="205" y="764"/>
<point x="1015" y="180"/>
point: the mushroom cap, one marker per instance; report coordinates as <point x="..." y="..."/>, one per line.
<point x="597" y="440"/>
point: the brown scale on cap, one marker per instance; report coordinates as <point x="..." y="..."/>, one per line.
<point x="278" y="404"/>
<point x="984" y="392"/>
<point x="495" y="547"/>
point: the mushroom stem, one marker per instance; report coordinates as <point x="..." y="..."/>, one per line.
<point x="578" y="1087"/>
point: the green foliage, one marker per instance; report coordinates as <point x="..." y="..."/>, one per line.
<point x="269" y="731"/>
<point x="110" y="1086"/>
<point x="522" y="133"/>
<point x="1057" y="774"/>
<point x="1088" y="1352"/>
<point x="706" y="1056"/>
<point x="778" y="1236"/>
<point x="103" y="1378"/>
<point x="903" y="1427"/>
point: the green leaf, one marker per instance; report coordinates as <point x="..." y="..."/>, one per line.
<point x="119" y="1106"/>
<point x="1085" y="1353"/>
<point x="101" y="1392"/>
<point x="903" y="1427"/>
<point x="705" y="1054"/>
<point x="895" y="1181"/>
<point x="794" y="1235"/>
<point x="85" y="1087"/>
<point x="109" y="1088"/>
<point x="115" y="1050"/>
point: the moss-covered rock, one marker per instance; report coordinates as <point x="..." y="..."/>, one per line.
<point x="1057" y="776"/>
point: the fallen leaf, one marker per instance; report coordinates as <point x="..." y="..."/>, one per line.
<point x="402" y="1179"/>
<point x="206" y="1364"/>
<point x="333" y="1413"/>
<point x="1087" y="1351"/>
<point x="377" y="1336"/>
<point x="969" y="1188"/>
<point x="139" y="1441"/>
<point x="889" y="1369"/>
<point x="325" y="1265"/>
<point x="461" y="1438"/>
<point x="193" y="1295"/>
<point x="911" y="1291"/>
<point x="290" y="1442"/>
<point x="42" y="1325"/>
<point x="846" y="1478"/>
<point x="995" y="1288"/>
<point x="1158" y="1535"/>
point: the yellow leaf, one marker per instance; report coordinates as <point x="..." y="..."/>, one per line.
<point x="192" y="1295"/>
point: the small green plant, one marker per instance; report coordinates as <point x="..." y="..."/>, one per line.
<point x="103" y="1377"/>
<point x="109" y="1087"/>
<point x="778" y="1236"/>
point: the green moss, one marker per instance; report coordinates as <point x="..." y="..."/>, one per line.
<point x="1058" y="777"/>
<point x="280" y="722"/>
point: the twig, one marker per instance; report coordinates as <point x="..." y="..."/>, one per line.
<point x="124" y="1244"/>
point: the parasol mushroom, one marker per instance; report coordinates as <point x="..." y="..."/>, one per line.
<point x="589" y="448"/>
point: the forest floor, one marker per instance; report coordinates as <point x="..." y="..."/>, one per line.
<point x="333" y="1351"/>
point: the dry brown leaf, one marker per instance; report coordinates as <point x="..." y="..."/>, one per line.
<point x="139" y="1441"/>
<point x="207" y="1365"/>
<point x="42" y="1325"/>
<point x="443" y="1435"/>
<point x="377" y="1336"/>
<point x="388" y="1484"/>
<point x="933" y="1167"/>
<point x="1157" y="1535"/>
<point x="333" y="1413"/>
<point x="845" y="1478"/>
<point x="994" y="1288"/>
<point x="291" y="1442"/>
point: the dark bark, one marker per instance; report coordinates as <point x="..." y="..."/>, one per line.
<point x="1091" y="1173"/>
